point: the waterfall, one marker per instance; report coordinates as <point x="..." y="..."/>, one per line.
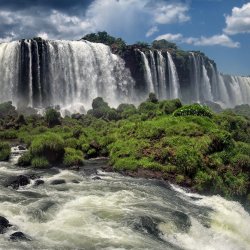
<point x="223" y="93"/>
<point x="174" y="86"/>
<point x="147" y="72"/>
<point x="154" y="72"/>
<point x="196" y="76"/>
<point x="161" y="67"/>
<point x="206" y="90"/>
<point x="66" y="73"/>
<point x="9" y="71"/>
<point x="41" y="73"/>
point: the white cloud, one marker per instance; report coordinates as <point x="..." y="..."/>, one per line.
<point x="127" y="17"/>
<point x="219" y="40"/>
<point x="166" y="13"/>
<point x="239" y="21"/>
<point x="152" y="31"/>
<point x="170" y="37"/>
<point x="43" y="35"/>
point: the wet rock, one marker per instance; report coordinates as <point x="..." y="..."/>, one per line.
<point x="96" y="178"/>
<point x="75" y="181"/>
<point x="19" y="236"/>
<point x="182" y="221"/>
<point x="147" y="225"/>
<point x="39" y="182"/>
<point x="4" y="224"/>
<point x="17" y="181"/>
<point x="75" y="168"/>
<point x="58" y="182"/>
<point x="20" y="147"/>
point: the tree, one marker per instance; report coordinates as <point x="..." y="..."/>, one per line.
<point x="164" y="44"/>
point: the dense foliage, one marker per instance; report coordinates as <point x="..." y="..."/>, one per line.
<point x="189" y="145"/>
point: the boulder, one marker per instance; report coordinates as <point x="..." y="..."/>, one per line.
<point x="17" y="181"/>
<point x="182" y="221"/>
<point x="4" y="224"/>
<point x="39" y="182"/>
<point x="19" y="236"/>
<point x="58" y="182"/>
<point x="147" y="225"/>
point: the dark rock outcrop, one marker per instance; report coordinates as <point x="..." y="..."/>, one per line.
<point x="58" y="182"/>
<point x="19" y="236"/>
<point x="4" y="224"/>
<point x="17" y="181"/>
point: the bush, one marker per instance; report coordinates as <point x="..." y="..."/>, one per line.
<point x="99" y="103"/>
<point x="52" y="118"/>
<point x="72" y="157"/>
<point x="193" y="109"/>
<point x="169" y="106"/>
<point x="8" y="134"/>
<point x="152" y="98"/>
<point x="40" y="162"/>
<point x="4" y="151"/>
<point x="50" y="146"/>
<point x="71" y="143"/>
<point x="25" y="160"/>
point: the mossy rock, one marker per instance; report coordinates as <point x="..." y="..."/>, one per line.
<point x="5" y="151"/>
<point x="73" y="157"/>
<point x="25" y="160"/>
<point x="40" y="162"/>
<point x="50" y="146"/>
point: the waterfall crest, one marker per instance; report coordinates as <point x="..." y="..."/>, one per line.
<point x="41" y="73"/>
<point x="65" y="73"/>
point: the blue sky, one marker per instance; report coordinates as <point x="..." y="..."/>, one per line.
<point x="219" y="28"/>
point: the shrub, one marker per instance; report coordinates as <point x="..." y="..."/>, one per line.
<point x="8" y="134"/>
<point x="72" y="157"/>
<point x="25" y="160"/>
<point x="99" y="103"/>
<point x="193" y="109"/>
<point x="169" y="106"/>
<point x="52" y="117"/>
<point x="242" y="161"/>
<point x="220" y="140"/>
<point x="4" y="151"/>
<point x="40" y="162"/>
<point x="71" y="143"/>
<point x="49" y="146"/>
<point x="152" y="98"/>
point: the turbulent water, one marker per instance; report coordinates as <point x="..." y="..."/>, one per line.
<point x="117" y="212"/>
<point x="41" y="73"/>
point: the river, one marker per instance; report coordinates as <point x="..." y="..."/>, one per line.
<point x="116" y="212"/>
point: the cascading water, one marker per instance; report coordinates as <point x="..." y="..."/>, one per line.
<point x="196" y="76"/>
<point x="174" y="86"/>
<point x="161" y="67"/>
<point x="206" y="87"/>
<point x="40" y="73"/>
<point x="148" y="74"/>
<point x="65" y="73"/>
<point x="9" y="71"/>
<point x="154" y="72"/>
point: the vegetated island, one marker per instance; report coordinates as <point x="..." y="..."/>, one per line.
<point x="189" y="145"/>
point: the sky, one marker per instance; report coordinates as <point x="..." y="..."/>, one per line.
<point x="219" y="28"/>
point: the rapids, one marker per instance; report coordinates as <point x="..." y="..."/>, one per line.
<point x="116" y="212"/>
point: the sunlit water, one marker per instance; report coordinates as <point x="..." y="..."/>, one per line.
<point x="117" y="212"/>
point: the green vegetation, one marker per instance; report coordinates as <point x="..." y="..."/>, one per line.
<point x="186" y="144"/>
<point x="103" y="37"/>
<point x="52" y="118"/>
<point x="4" y="151"/>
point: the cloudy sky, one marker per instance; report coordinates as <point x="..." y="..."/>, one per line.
<point x="220" y="28"/>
